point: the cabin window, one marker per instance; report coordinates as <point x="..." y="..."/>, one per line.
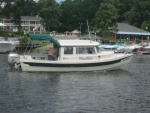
<point x="68" y="50"/>
<point x="85" y="50"/>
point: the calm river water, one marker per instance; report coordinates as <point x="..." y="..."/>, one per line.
<point x="122" y="91"/>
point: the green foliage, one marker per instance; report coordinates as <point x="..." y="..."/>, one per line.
<point x="101" y="14"/>
<point x="24" y="40"/>
<point x="123" y="7"/>
<point x="138" y="13"/>
<point x="105" y="41"/>
<point x="50" y="13"/>
<point x="146" y="25"/>
<point x="75" y="12"/>
<point x="7" y="33"/>
<point x="20" y="32"/>
<point x="112" y="42"/>
<point x="106" y="18"/>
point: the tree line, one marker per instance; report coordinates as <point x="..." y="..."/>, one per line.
<point x="101" y="15"/>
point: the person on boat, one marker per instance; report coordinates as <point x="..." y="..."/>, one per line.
<point x="52" y="53"/>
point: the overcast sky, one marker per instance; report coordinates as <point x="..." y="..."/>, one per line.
<point x="59" y="1"/>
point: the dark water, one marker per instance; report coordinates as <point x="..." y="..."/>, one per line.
<point x="122" y="91"/>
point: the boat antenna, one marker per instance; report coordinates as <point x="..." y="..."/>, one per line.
<point x="88" y="29"/>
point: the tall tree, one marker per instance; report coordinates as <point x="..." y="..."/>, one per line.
<point x="106" y="18"/>
<point x="30" y="8"/>
<point x="139" y="13"/>
<point x="122" y="6"/>
<point x="6" y="9"/>
<point x="68" y="16"/>
<point x="50" y="13"/>
<point x="17" y="12"/>
<point x="22" y="8"/>
<point x="75" y="12"/>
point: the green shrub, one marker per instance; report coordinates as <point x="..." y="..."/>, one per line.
<point x="105" y="41"/>
<point x="4" y="33"/>
<point x="112" y="42"/>
<point x="20" y="32"/>
<point x="24" y="40"/>
<point x="7" y="33"/>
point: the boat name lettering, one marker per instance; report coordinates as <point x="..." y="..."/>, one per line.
<point x="85" y="58"/>
<point x="64" y="58"/>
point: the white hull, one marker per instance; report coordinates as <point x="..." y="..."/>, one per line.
<point x="129" y="49"/>
<point x="144" y="50"/>
<point x="5" y="47"/>
<point x="105" y="65"/>
<point x="13" y="45"/>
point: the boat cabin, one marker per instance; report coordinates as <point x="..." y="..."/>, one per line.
<point x="77" y="50"/>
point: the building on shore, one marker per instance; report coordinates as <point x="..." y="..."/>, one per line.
<point x="128" y="32"/>
<point x="28" y="23"/>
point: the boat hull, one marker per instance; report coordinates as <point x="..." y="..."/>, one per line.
<point x="55" y="66"/>
<point x="5" y="47"/>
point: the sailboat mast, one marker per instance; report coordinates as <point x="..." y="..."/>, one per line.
<point x="88" y="30"/>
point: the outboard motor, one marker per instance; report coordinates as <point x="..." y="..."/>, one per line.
<point x="13" y="60"/>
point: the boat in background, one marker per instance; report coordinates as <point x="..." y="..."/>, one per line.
<point x="110" y="47"/>
<point x="14" y="43"/>
<point x="145" y="49"/>
<point x="128" y="48"/>
<point x="141" y="48"/>
<point x="7" y="45"/>
<point x="72" y="55"/>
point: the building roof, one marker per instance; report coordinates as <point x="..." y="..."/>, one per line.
<point x="128" y="29"/>
<point x="30" y="18"/>
<point x="66" y="32"/>
<point x="75" y="31"/>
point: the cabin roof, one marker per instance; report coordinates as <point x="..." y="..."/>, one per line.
<point x="47" y="37"/>
<point x="77" y="43"/>
<point x="30" y="18"/>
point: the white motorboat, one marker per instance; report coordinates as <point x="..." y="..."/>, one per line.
<point x="109" y="47"/>
<point x="144" y="49"/>
<point x="84" y="55"/>
<point x="128" y="48"/>
<point x="7" y="45"/>
<point x="13" y="44"/>
<point x="4" y="46"/>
